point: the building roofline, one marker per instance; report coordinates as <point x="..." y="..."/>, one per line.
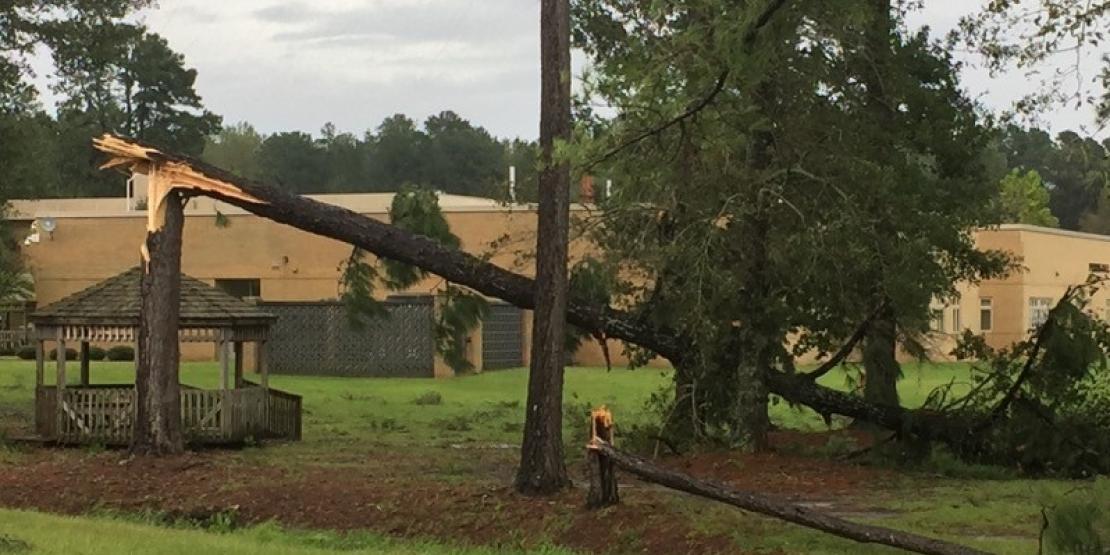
<point x="1050" y="231"/>
<point x="362" y="203"/>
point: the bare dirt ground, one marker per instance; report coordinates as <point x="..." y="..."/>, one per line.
<point x="404" y="495"/>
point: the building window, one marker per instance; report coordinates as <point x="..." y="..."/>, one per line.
<point x="1038" y="311"/>
<point x="241" y="288"/>
<point x="1098" y="268"/>
<point x="938" y="320"/>
<point x="986" y="314"/>
<point x="1106" y="314"/>
<point x="956" y="323"/>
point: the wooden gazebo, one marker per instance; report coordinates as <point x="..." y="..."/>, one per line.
<point x="108" y="313"/>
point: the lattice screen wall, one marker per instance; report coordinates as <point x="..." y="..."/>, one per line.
<point x="502" y="337"/>
<point x="316" y="339"/>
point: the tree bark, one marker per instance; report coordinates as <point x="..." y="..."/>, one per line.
<point x="752" y="359"/>
<point x="880" y="360"/>
<point x="157" y="428"/>
<point x="880" y="346"/>
<point x="542" y="468"/>
<point x="387" y="241"/>
<point x="778" y="508"/>
<point x="757" y="333"/>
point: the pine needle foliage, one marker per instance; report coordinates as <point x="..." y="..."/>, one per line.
<point x="1043" y="404"/>
<point x="460" y="311"/>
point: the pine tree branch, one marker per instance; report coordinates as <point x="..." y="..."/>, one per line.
<point x="747" y="42"/>
<point x="847" y="348"/>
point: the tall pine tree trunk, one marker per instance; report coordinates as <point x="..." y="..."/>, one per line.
<point x="752" y="359"/>
<point x="756" y="336"/>
<point x="880" y="345"/>
<point x="542" y="467"/>
<point x="158" y="408"/>
<point x="880" y="362"/>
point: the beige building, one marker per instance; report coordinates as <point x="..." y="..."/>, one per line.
<point x="74" y="243"/>
<point x="1051" y="260"/>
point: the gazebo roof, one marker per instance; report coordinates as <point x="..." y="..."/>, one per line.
<point x="115" y="302"/>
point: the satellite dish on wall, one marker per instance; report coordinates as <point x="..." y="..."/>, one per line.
<point x="49" y="225"/>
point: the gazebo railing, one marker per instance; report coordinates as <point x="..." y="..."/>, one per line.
<point x="14" y="339"/>
<point x="284" y="414"/>
<point x="106" y="414"/>
<point x="202" y="413"/>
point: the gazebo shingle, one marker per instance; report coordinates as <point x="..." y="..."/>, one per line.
<point x="115" y="302"/>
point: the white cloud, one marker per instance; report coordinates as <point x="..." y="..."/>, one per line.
<point x="294" y="65"/>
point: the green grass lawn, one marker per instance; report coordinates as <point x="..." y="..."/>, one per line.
<point x="30" y="532"/>
<point x="464" y="430"/>
<point x="487" y="407"/>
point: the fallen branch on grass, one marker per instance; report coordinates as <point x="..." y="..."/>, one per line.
<point x="777" y="508"/>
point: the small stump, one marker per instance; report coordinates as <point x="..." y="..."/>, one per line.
<point x="603" y="474"/>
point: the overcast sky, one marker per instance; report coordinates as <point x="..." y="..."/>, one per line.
<point x="296" y="64"/>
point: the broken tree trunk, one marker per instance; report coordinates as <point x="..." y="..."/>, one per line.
<point x="387" y="241"/>
<point x="603" y="474"/>
<point x="777" y="508"/>
<point x="157" y="427"/>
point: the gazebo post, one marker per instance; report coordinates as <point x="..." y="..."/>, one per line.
<point x="60" y="356"/>
<point x="225" y="379"/>
<point x="84" y="363"/>
<point x="40" y="362"/>
<point x="238" y="348"/>
<point x="263" y="364"/>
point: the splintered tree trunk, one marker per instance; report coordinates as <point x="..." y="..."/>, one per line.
<point x="880" y="361"/>
<point x="542" y="468"/>
<point x="603" y="475"/>
<point x="158" y="396"/>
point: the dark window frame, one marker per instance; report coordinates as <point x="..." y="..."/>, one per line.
<point x="986" y="314"/>
<point x="240" y="287"/>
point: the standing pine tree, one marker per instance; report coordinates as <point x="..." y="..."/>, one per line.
<point x="542" y="468"/>
<point x="770" y="201"/>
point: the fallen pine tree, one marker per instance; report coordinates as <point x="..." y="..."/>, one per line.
<point x="603" y="492"/>
<point x="961" y="429"/>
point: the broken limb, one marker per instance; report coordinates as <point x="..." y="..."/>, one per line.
<point x="774" y="507"/>
<point x="387" y="241"/>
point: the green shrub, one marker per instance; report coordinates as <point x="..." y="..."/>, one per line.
<point x="121" y="352"/>
<point x="96" y="353"/>
<point x="7" y="351"/>
<point x="428" y="398"/>
<point x="26" y="353"/>
<point x="71" y="354"/>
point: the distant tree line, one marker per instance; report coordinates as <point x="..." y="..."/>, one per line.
<point x="446" y="153"/>
<point x="1074" y="171"/>
<point x="111" y="74"/>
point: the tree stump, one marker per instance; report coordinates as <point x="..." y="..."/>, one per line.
<point x="603" y="474"/>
